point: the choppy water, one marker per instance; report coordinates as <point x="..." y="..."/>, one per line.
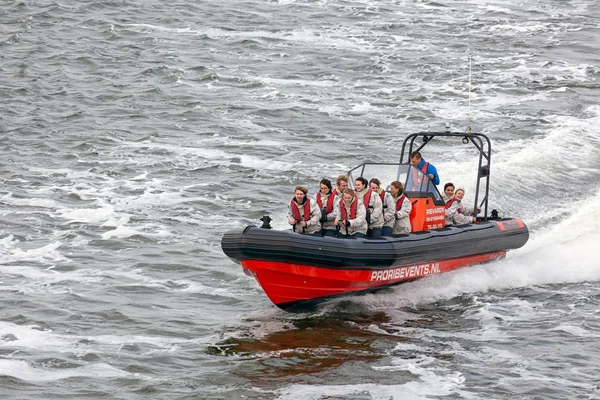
<point x="134" y="134"/>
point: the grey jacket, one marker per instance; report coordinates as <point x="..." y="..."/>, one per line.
<point x="375" y="206"/>
<point x="389" y="209"/>
<point x="454" y="217"/>
<point x="402" y="220"/>
<point x="331" y="216"/>
<point x="313" y="224"/>
<point x="358" y="224"/>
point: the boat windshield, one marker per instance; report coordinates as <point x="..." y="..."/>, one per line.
<point x="413" y="179"/>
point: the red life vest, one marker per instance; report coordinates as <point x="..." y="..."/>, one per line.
<point x="330" y="199"/>
<point x="400" y="201"/>
<point x="416" y="181"/>
<point x="296" y="211"/>
<point x="450" y="202"/>
<point x="352" y="209"/>
<point x="367" y="199"/>
<point x="383" y="205"/>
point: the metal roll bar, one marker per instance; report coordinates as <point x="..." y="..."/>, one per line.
<point x="481" y="142"/>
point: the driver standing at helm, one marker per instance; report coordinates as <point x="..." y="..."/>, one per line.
<point x="419" y="162"/>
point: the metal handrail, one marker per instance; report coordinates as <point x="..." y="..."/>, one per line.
<point x="481" y="142"/>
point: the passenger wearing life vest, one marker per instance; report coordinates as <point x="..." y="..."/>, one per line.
<point x="388" y="207"/>
<point x="448" y="192"/>
<point x="373" y="206"/>
<point x="351" y="216"/>
<point x="304" y="215"/>
<point x="341" y="184"/>
<point x="326" y="200"/>
<point x="403" y="207"/>
<point x="416" y="182"/>
<point x="456" y="212"/>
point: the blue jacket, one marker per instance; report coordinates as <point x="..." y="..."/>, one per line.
<point x="430" y="170"/>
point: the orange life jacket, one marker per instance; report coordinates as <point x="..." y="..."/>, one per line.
<point x="296" y="211"/>
<point x="352" y="209"/>
<point x="330" y="199"/>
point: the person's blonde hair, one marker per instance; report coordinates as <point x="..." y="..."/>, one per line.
<point x="341" y="178"/>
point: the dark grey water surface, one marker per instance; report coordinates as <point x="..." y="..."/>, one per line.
<point x="133" y="134"/>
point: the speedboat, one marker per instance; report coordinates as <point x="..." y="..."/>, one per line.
<point x="297" y="270"/>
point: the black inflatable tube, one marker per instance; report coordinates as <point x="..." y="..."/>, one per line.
<point x="252" y="243"/>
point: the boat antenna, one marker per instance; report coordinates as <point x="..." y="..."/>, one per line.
<point x="469" y="111"/>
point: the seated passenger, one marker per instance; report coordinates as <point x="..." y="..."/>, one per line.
<point x="456" y="212"/>
<point x="403" y="207"/>
<point x="325" y="198"/>
<point x="418" y="162"/>
<point x="341" y="185"/>
<point x="304" y="215"/>
<point x="448" y="192"/>
<point x="373" y="207"/>
<point x="388" y="207"/>
<point x="350" y="216"/>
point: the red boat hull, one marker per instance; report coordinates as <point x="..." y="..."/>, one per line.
<point x="288" y="284"/>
